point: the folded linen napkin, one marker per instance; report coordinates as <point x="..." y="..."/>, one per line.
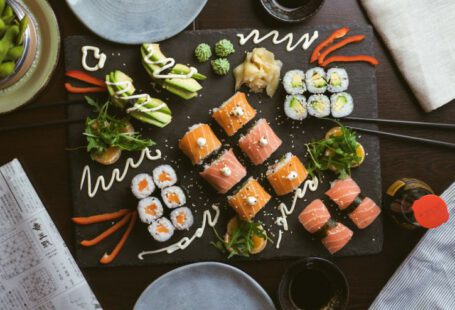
<point x="420" y="36"/>
<point x="426" y="278"/>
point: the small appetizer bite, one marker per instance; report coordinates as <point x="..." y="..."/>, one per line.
<point x="287" y="174"/>
<point x="316" y="219"/>
<point x="318" y="106"/>
<point x="203" y="52"/>
<point x="294" y="82"/>
<point x="199" y="142"/>
<point x="142" y="185"/>
<point x="164" y="176"/>
<point x="182" y="218"/>
<point x="341" y="104"/>
<point x="260" y="142"/>
<point x="249" y="199"/>
<point x="224" y="172"/>
<point x="173" y="197"/>
<point x="224" y="48"/>
<point x="315" y="80"/>
<point x="220" y="66"/>
<point x="161" y="229"/>
<point x="295" y="107"/>
<point x="337" y="80"/>
<point x="149" y="209"/>
<point x="234" y="113"/>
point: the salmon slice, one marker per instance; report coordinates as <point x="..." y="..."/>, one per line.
<point x="314" y="216"/>
<point x="287" y="174"/>
<point x="199" y="142"/>
<point x="337" y="237"/>
<point x="260" y="142"/>
<point x="249" y="200"/>
<point x="365" y="213"/>
<point x="235" y="113"/>
<point x="224" y="172"/>
<point x="343" y="192"/>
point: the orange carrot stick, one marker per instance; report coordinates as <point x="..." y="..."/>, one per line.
<point x="83" y="90"/>
<point x="338" y="45"/>
<point x="107" y="232"/>
<point x="108" y="258"/>
<point x="339" y="33"/>
<point x="82" y="76"/>
<point x="100" y="217"/>
<point x="365" y="58"/>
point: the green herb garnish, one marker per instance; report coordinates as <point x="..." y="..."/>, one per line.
<point x="105" y="131"/>
<point x="240" y="241"/>
<point x="336" y="153"/>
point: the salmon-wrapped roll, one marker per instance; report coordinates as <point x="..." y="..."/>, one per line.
<point x="287" y="174"/>
<point x="314" y="216"/>
<point x="343" y="192"/>
<point x="225" y="172"/>
<point x="249" y="200"/>
<point x="260" y="142"/>
<point x="199" y="142"/>
<point x="336" y="238"/>
<point x="233" y="114"/>
<point x="365" y="213"/>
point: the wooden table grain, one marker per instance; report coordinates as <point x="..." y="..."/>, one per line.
<point x="43" y="154"/>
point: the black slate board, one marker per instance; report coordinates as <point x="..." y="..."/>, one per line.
<point x="296" y="242"/>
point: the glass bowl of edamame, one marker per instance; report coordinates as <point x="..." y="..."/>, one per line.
<point x="18" y="42"/>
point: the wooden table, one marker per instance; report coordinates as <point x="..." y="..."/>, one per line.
<point x="42" y="152"/>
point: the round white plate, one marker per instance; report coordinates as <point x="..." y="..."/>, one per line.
<point x="136" y="21"/>
<point x="207" y="285"/>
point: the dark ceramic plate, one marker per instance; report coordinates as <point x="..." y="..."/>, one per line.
<point x="294" y="14"/>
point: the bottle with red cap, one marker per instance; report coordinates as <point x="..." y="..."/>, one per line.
<point x="412" y="204"/>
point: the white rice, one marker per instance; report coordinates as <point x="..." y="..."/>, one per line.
<point x="145" y="213"/>
<point x="312" y="88"/>
<point x="289" y="79"/>
<point x="188" y="218"/>
<point x="318" y="106"/>
<point x="290" y="112"/>
<point x="164" y="169"/>
<point x="178" y="191"/>
<point x="341" y="75"/>
<point x="147" y="191"/>
<point x="341" y="108"/>
<point x="161" y="236"/>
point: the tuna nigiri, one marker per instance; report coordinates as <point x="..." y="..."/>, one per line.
<point x="287" y="174"/>
<point x="260" y="142"/>
<point x="199" y="142"/>
<point x="365" y="213"/>
<point x="225" y="172"/>
<point x="249" y="199"/>
<point x="235" y="113"/>
<point x="343" y="192"/>
<point x="336" y="238"/>
<point x="314" y="216"/>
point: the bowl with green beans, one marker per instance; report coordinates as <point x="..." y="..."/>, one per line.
<point x="18" y="42"/>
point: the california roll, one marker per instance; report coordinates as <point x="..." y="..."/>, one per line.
<point x="182" y="218"/>
<point x="315" y="80"/>
<point x="294" y="82"/>
<point x="318" y="106"/>
<point x="341" y="104"/>
<point x="337" y="80"/>
<point x="295" y="107"/>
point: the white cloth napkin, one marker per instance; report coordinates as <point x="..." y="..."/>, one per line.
<point x="426" y="278"/>
<point x="420" y="34"/>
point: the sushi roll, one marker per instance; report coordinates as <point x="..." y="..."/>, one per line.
<point x="343" y="192"/>
<point x="199" y="142"/>
<point x="295" y="107"/>
<point x="365" y="213"/>
<point x="233" y="114"/>
<point x="142" y="185"/>
<point x="260" y="142"/>
<point x="182" y="218"/>
<point x="294" y="82"/>
<point x="173" y="197"/>
<point x="314" y="216"/>
<point x="249" y="199"/>
<point x="149" y="209"/>
<point x="315" y="80"/>
<point x="164" y="176"/>
<point x="161" y="229"/>
<point x="318" y="106"/>
<point x="224" y="172"/>
<point x="337" y="80"/>
<point x="287" y="174"/>
<point x="341" y="104"/>
<point x="337" y="238"/>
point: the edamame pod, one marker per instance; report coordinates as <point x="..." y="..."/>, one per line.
<point x="2" y="6"/>
<point x="23" y="24"/>
<point x="7" y="68"/>
<point x="15" y="53"/>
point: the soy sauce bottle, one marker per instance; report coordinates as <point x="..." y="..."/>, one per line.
<point x="412" y="204"/>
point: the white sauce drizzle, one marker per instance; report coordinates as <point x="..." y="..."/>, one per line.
<point x="116" y="176"/>
<point x="292" y="175"/>
<point x="226" y="171"/>
<point x="312" y="185"/>
<point x="96" y="54"/>
<point x="280" y="235"/>
<point x="251" y="200"/>
<point x="307" y="41"/>
<point x="185" y="242"/>
<point x="238" y="111"/>
<point x="201" y="141"/>
<point x="167" y="64"/>
<point x="263" y="141"/>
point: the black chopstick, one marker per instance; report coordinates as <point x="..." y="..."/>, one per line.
<point x="399" y="122"/>
<point x="44" y="124"/>
<point x="404" y="137"/>
<point x="54" y="104"/>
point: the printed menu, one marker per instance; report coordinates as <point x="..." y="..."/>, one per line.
<point x="37" y="270"/>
